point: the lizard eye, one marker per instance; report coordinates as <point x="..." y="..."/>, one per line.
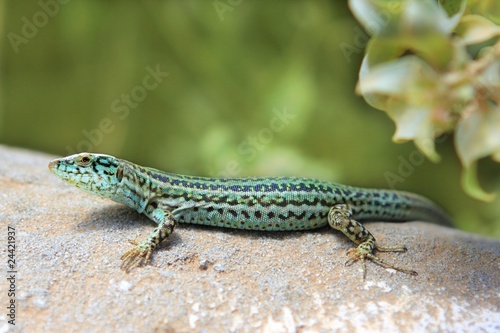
<point x="84" y="160"/>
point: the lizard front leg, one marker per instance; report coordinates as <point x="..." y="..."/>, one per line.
<point x="142" y="251"/>
<point x="340" y="219"/>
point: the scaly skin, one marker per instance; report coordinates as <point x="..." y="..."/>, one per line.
<point x="272" y="203"/>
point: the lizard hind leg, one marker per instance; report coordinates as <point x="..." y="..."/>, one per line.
<point x="340" y="219"/>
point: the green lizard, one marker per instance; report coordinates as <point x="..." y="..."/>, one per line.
<point x="273" y="203"/>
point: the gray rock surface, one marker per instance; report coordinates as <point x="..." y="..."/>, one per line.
<point x="69" y="243"/>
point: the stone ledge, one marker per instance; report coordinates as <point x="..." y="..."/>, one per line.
<point x="205" y="279"/>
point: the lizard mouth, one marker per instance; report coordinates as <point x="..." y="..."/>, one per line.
<point x="53" y="165"/>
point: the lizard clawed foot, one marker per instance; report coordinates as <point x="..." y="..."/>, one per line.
<point x="141" y="253"/>
<point x="363" y="252"/>
<point x="136" y="256"/>
<point x="340" y="218"/>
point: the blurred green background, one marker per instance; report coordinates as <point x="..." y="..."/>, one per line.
<point x="231" y="88"/>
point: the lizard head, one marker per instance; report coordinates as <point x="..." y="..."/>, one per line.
<point x="95" y="173"/>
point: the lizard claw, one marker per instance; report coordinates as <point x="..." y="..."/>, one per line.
<point x="355" y="255"/>
<point x="361" y="253"/>
<point x="133" y="242"/>
<point x="136" y="256"/>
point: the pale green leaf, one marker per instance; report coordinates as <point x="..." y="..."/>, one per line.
<point x="426" y="146"/>
<point x="475" y="29"/>
<point x="414" y="123"/>
<point x="420" y="26"/>
<point x="376" y="16"/>
<point x="377" y="101"/>
<point x="471" y="185"/>
<point x="381" y="49"/>
<point x="489" y="82"/>
<point x="396" y="17"/>
<point x="423" y="16"/>
<point x="478" y="134"/>
<point x="426" y="30"/>
<point x="394" y="77"/>
<point x="436" y="49"/>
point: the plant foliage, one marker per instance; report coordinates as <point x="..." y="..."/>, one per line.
<point x="434" y="67"/>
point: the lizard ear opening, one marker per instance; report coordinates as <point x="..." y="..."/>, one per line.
<point x="119" y="173"/>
